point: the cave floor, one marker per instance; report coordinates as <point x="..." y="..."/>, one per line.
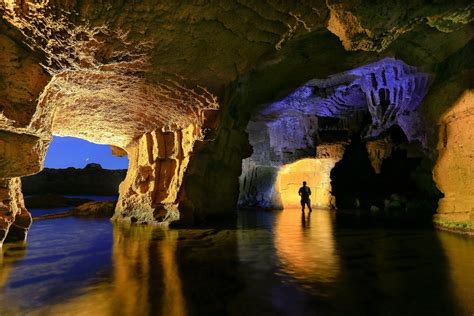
<point x="277" y="263"/>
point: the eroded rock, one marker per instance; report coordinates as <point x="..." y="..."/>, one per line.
<point x="122" y="72"/>
<point x="454" y="172"/>
<point x="374" y="26"/>
<point x="15" y="220"/>
<point x="158" y="161"/>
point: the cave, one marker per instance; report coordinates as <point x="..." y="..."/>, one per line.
<point x="223" y="109"/>
<point x="343" y="135"/>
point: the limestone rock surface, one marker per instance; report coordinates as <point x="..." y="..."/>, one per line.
<point x="454" y="169"/>
<point x="158" y="161"/>
<point x="375" y="25"/>
<point x="94" y="209"/>
<point x="15" y="220"/>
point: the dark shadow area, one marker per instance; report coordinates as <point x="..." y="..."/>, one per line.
<point x="353" y="179"/>
<point x="395" y="272"/>
<point x="403" y="192"/>
<point x="91" y="180"/>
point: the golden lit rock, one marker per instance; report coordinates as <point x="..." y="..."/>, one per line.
<point x="116" y="73"/>
<point x="454" y="170"/>
<point x="378" y="150"/>
<point x="316" y="172"/>
<point x="373" y="26"/>
<point x="158" y="161"/>
<point x="15" y="220"/>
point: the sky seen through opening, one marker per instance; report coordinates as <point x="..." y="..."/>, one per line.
<point x="65" y="152"/>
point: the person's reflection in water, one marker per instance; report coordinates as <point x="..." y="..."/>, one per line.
<point x="305" y="221"/>
<point x="306" y="249"/>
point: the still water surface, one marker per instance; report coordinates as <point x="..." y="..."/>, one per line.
<point x="275" y="263"/>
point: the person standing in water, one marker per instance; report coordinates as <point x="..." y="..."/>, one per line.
<point x="305" y="192"/>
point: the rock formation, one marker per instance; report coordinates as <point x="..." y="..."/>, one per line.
<point x="15" y="220"/>
<point x="158" y="162"/>
<point x="94" y="209"/>
<point x="124" y="73"/>
<point x="91" y="180"/>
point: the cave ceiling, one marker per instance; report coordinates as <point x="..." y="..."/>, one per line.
<point x="109" y="71"/>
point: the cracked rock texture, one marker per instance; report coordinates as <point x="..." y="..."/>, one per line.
<point x="15" y="220"/>
<point x="374" y="26"/>
<point x="158" y="161"/>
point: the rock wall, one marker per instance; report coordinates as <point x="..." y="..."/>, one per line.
<point x="22" y="147"/>
<point x="366" y="26"/>
<point x="211" y="185"/>
<point x="22" y="80"/>
<point x="454" y="169"/>
<point x="15" y="220"/>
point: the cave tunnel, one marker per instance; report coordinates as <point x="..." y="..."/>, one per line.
<point x="222" y="109"/>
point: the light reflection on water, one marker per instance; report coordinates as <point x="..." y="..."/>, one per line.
<point x="269" y="263"/>
<point x="305" y="245"/>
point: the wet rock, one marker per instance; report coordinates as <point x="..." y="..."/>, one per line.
<point x="96" y="209"/>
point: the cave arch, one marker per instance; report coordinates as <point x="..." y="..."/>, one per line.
<point x="321" y="120"/>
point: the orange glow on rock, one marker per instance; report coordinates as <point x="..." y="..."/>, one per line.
<point x="316" y="172"/>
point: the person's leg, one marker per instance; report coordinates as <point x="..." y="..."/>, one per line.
<point x="309" y="205"/>
<point x="302" y="206"/>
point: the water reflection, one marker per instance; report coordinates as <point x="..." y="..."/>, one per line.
<point x="145" y="265"/>
<point x="307" y="250"/>
<point x="460" y="258"/>
<point x="271" y="263"/>
<point x="9" y="255"/>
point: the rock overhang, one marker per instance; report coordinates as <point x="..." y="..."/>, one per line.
<point x="141" y="61"/>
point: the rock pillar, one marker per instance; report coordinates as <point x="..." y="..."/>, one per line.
<point x="158" y="160"/>
<point x="15" y="220"/>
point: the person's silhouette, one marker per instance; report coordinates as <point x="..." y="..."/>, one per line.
<point x="305" y="193"/>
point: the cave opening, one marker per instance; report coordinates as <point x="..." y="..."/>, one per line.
<point x="354" y="137"/>
<point x="388" y="178"/>
<point x="77" y="175"/>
